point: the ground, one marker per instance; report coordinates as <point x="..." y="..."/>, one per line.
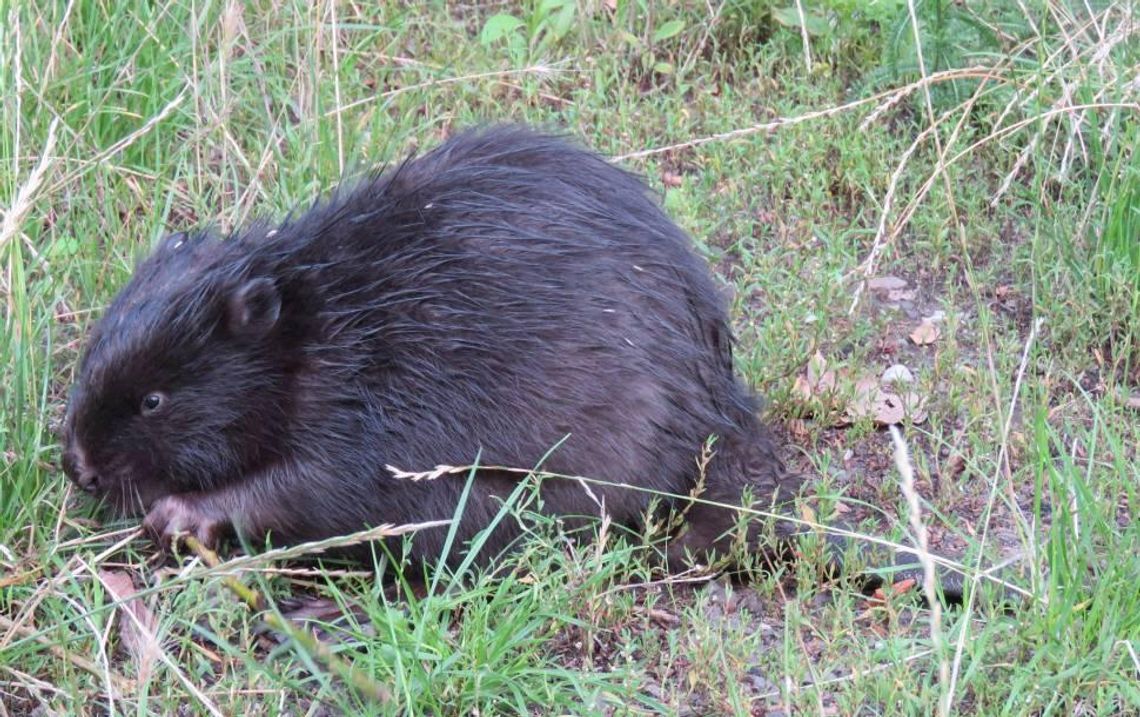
<point x="944" y="187"/>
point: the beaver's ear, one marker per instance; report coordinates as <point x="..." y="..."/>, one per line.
<point x="253" y="308"/>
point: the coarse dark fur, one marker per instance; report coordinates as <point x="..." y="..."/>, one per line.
<point x="504" y="292"/>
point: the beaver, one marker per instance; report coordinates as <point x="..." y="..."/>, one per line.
<point x="508" y="297"/>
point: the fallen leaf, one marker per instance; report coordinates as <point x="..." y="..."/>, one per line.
<point x="954" y="467"/>
<point x="807" y="514"/>
<point x="1003" y="291"/>
<point x="925" y="334"/>
<point x="802" y="387"/>
<point x="796" y="426"/>
<point x="816" y="380"/>
<point x="817" y="364"/>
<point x="1133" y="402"/>
<point x="860" y="405"/>
<point x="865" y="390"/>
<point x="887" y="409"/>
<point x="137" y="624"/>
<point x="886" y="283"/>
<point x="671" y="179"/>
<point x="826" y="383"/>
<point x="663" y="618"/>
<point x="914" y="406"/>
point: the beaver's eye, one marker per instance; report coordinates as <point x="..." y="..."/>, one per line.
<point x="152" y="402"/>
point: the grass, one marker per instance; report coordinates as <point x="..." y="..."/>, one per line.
<point x="1003" y="191"/>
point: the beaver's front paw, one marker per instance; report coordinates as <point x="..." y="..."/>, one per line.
<point x="174" y="517"/>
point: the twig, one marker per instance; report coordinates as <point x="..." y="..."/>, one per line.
<point x="25" y="196"/>
<point x="532" y="70"/>
<point x="805" y="37"/>
<point x="929" y="586"/>
<point x="946" y="75"/>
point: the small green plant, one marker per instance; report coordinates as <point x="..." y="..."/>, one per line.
<point x="647" y="47"/>
<point x="842" y="33"/>
<point x="949" y="35"/>
<point x="1115" y="255"/>
<point x="1119" y="242"/>
<point x="528" y="37"/>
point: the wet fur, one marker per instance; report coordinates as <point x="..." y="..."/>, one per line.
<point x="503" y="293"/>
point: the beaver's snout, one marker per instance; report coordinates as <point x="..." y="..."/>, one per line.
<point x="77" y="469"/>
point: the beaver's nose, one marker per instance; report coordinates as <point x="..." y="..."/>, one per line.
<point x="79" y="473"/>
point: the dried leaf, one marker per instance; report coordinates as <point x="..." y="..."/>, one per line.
<point x="663" y="618"/>
<point x="954" y="467"/>
<point x="796" y="426"/>
<point x="802" y="387"/>
<point x="862" y="403"/>
<point x="671" y="179"/>
<point x="826" y="383"/>
<point x="865" y="390"/>
<point x="925" y="333"/>
<point x="137" y="624"/>
<point x="914" y="406"/>
<point x="1133" y="402"/>
<point x="888" y="409"/>
<point x="817" y="364"/>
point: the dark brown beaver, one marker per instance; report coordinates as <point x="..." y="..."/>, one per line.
<point x="506" y="294"/>
<point x="500" y="294"/>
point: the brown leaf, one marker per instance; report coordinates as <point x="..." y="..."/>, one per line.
<point x="862" y="404"/>
<point x="817" y="365"/>
<point x="232" y="23"/>
<point x="802" y="387"/>
<point x="914" y="406"/>
<point x="954" y="467"/>
<point x="1133" y="402"/>
<point x="888" y="409"/>
<point x="137" y="624"/>
<point x="671" y="179"/>
<point x="925" y="333"/>
<point x="826" y="383"/>
<point x="796" y="426"/>
<point x="663" y="618"/>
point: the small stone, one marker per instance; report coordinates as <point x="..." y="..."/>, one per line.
<point x="886" y="283"/>
<point x="897" y="374"/>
